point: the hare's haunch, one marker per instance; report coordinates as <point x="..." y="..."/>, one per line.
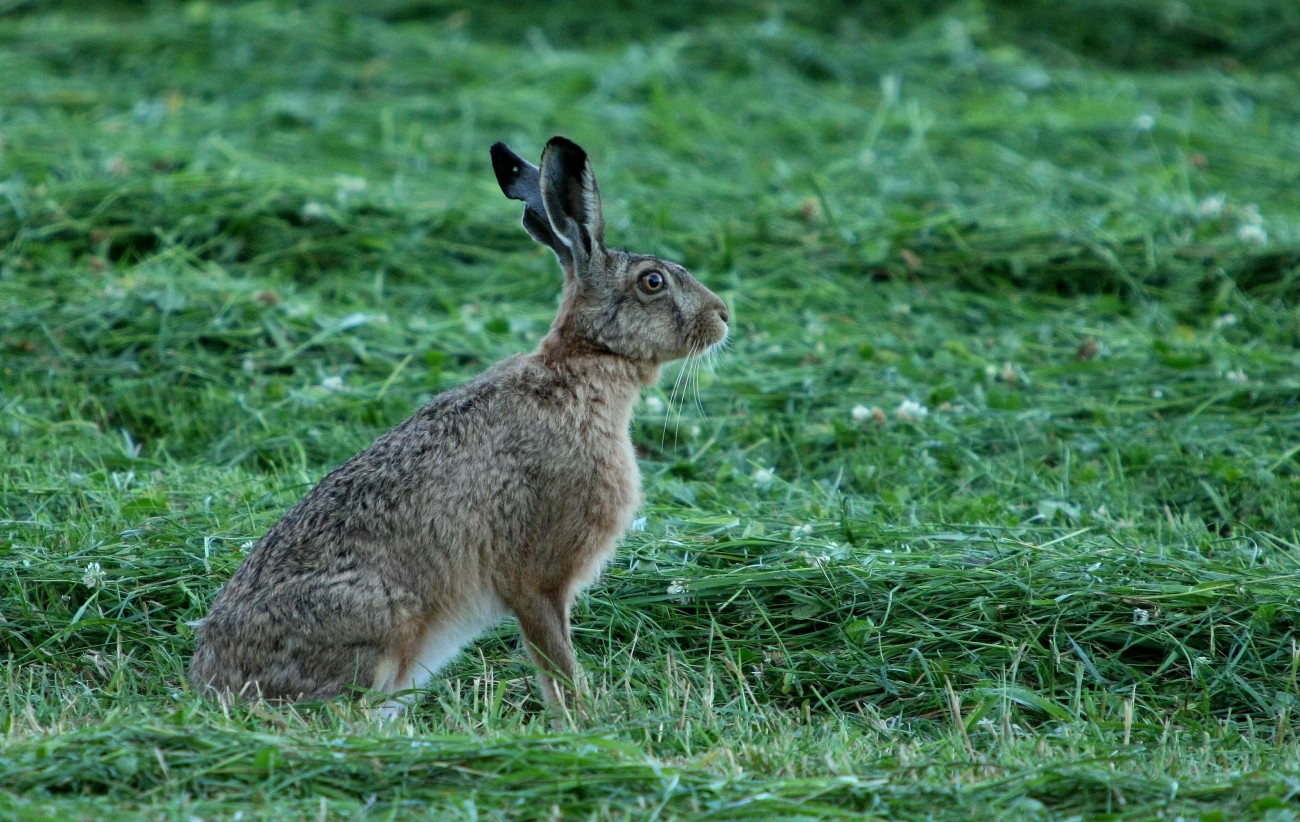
<point x="503" y="496"/>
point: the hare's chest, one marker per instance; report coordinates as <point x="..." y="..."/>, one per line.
<point x="614" y="490"/>
<point x="600" y="515"/>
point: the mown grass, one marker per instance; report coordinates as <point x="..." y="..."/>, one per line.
<point x="242" y="240"/>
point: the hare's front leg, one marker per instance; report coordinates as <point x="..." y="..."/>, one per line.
<point x="544" y="620"/>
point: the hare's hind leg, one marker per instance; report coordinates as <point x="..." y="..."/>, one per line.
<point x="544" y="621"/>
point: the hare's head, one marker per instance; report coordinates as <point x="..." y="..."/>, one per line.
<point x="633" y="305"/>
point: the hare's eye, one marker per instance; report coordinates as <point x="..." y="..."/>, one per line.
<point x="652" y="282"/>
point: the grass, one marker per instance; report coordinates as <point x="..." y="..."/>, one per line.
<point x="241" y="240"/>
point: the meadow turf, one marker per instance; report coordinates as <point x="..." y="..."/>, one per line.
<point x="988" y="510"/>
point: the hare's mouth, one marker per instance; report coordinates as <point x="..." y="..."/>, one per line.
<point x="715" y="332"/>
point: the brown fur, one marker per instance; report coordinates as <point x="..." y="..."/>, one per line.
<point x="505" y="495"/>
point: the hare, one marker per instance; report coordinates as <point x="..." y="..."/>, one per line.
<point x="503" y="496"/>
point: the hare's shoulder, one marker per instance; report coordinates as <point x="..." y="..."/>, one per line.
<point x="571" y="423"/>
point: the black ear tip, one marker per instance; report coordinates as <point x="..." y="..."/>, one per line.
<point x="566" y="147"/>
<point x="511" y="170"/>
<point x="502" y="156"/>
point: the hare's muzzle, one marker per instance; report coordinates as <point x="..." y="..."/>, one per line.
<point x="718" y="314"/>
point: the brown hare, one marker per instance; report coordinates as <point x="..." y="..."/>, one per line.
<point x="503" y="496"/>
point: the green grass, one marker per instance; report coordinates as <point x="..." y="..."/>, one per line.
<point x="241" y="240"/>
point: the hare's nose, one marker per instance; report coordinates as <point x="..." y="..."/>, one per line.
<point x="722" y="312"/>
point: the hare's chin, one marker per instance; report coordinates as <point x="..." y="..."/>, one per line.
<point x="715" y="338"/>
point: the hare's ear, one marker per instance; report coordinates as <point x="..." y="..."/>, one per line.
<point x="521" y="180"/>
<point x="572" y="201"/>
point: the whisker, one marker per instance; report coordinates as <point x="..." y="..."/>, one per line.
<point x="695" y="385"/>
<point x="663" y="432"/>
<point x="668" y="411"/>
<point x="688" y="371"/>
<point x="709" y="360"/>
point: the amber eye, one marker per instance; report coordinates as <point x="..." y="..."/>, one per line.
<point x="652" y="282"/>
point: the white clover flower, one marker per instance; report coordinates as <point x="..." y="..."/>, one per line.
<point x="1144" y="122"/>
<point x="638" y="524"/>
<point x="654" y="404"/>
<point x="1235" y="375"/>
<point x="1252" y="234"/>
<point x="312" y="210"/>
<point x="348" y="184"/>
<point x="860" y="413"/>
<point x="1211" y="207"/>
<point x="1225" y="321"/>
<point x="763" y="478"/>
<point x="333" y="384"/>
<point x="800" y="531"/>
<point x="1141" y="616"/>
<point x="94" y="576"/>
<point x="911" y="411"/>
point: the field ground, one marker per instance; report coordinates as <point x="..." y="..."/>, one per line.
<point x="989" y="510"/>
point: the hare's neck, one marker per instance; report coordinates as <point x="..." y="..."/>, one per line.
<point x="606" y="372"/>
